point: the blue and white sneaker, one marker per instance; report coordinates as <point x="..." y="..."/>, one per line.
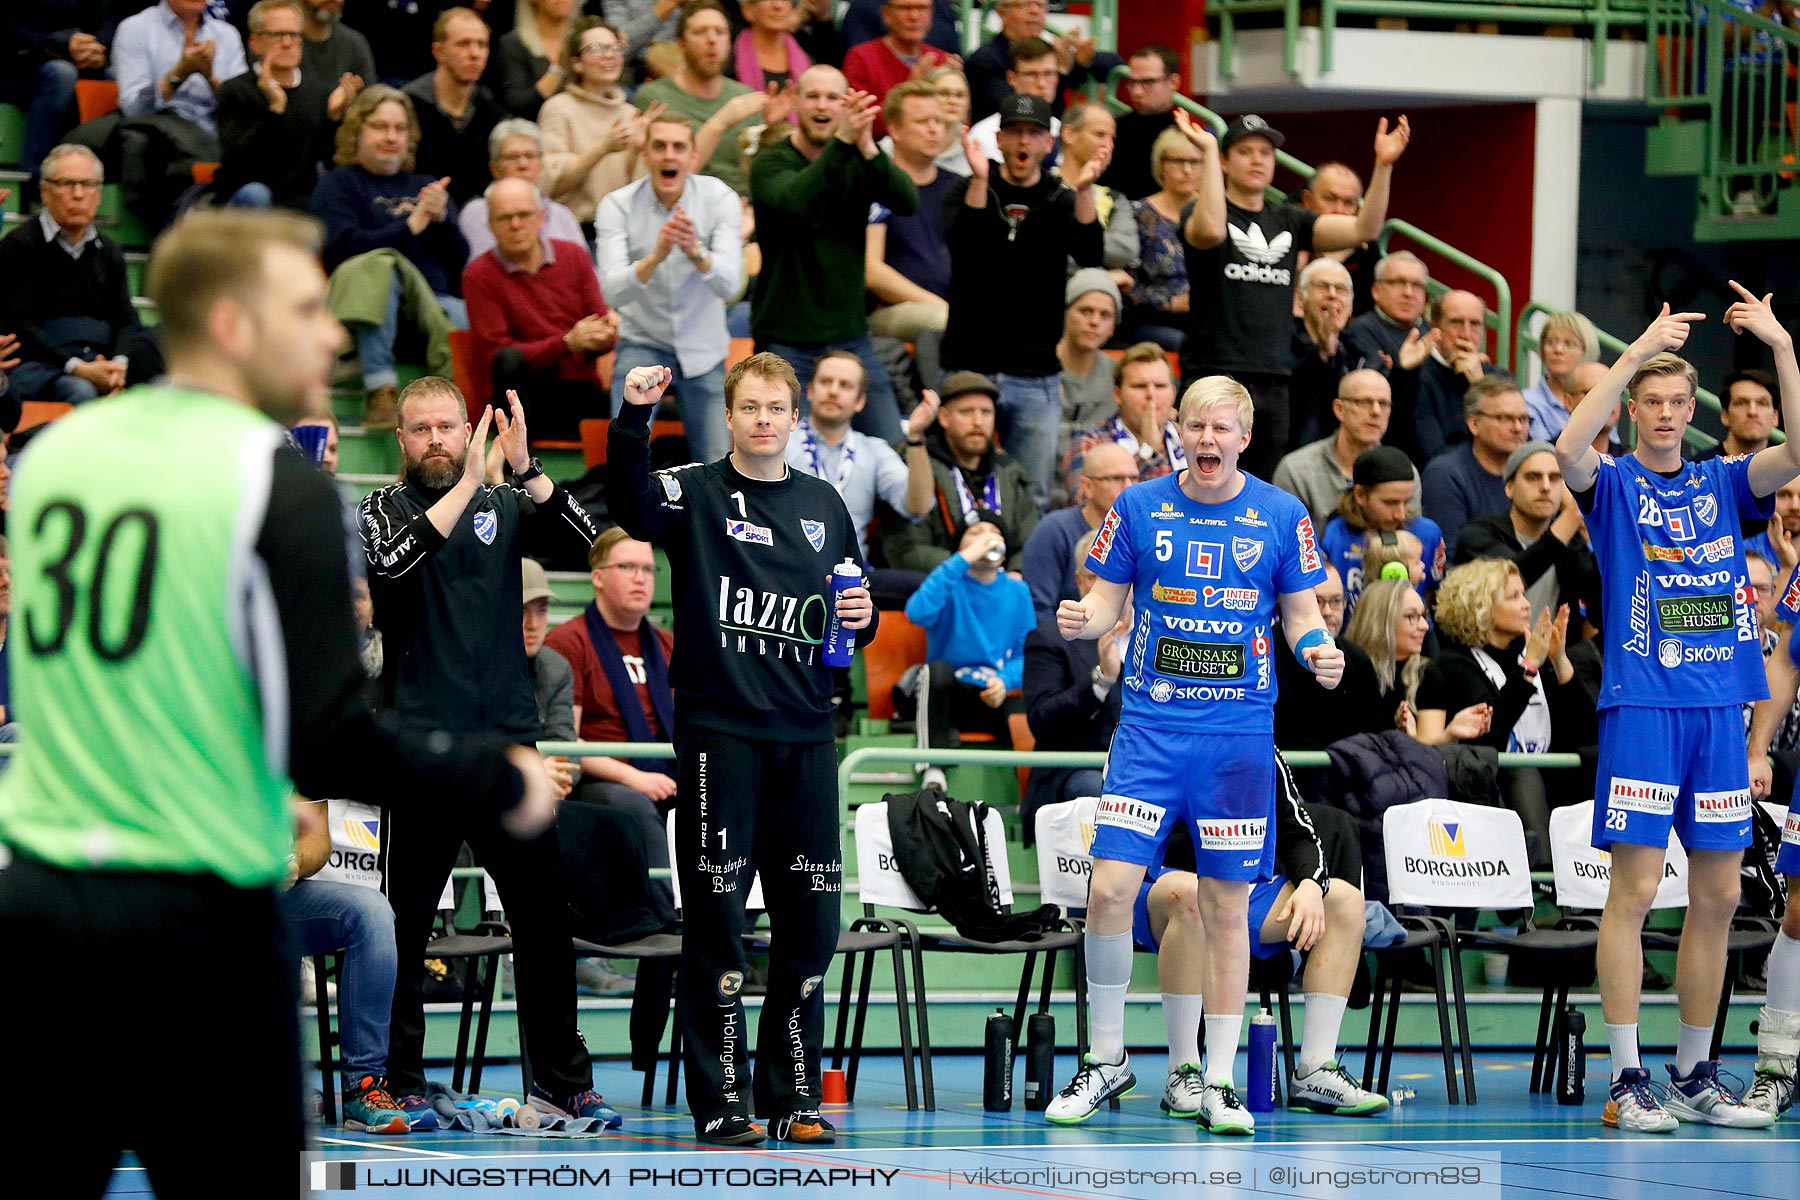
<point x="1700" y="1098"/>
<point x="587" y="1104"/>
<point x="421" y="1117"/>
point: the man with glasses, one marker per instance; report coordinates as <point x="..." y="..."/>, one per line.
<point x="1320" y="472"/>
<point x="69" y="305"/>
<point x="1077" y="59"/>
<point x="881" y="64"/>
<point x="1469" y="480"/>
<point x="1336" y="190"/>
<point x="516" y="151"/>
<point x="1311" y="718"/>
<point x="278" y="122"/>
<point x="535" y="309"/>
<point x="1321" y="358"/>
<point x="1032" y="73"/>
<point x="1150" y="90"/>
<point x="1053" y="554"/>
<point x="1436" y="390"/>
<point x="621" y="666"/>
<point x="1399" y="294"/>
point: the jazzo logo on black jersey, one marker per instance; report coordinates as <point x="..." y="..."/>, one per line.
<point x="768" y="623"/>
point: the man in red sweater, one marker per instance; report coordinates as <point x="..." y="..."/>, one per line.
<point x="539" y="322"/>
<point x="879" y="65"/>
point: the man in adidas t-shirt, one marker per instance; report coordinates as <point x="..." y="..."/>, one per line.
<point x="1242" y="260"/>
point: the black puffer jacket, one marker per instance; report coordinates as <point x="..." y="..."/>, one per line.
<point x="1369" y="774"/>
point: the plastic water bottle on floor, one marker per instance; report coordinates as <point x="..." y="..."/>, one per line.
<point x="1259" y="1096"/>
<point x="1401" y="1095"/>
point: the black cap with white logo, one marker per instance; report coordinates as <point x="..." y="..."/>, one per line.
<point x="1249" y="125"/>
<point x="1020" y="108"/>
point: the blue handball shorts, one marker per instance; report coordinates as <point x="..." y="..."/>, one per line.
<point x="1262" y="903"/>
<point x="1672" y="768"/>
<point x="1788" y="861"/>
<point x="1223" y="785"/>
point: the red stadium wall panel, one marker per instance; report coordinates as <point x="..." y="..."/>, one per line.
<point x="1173" y="23"/>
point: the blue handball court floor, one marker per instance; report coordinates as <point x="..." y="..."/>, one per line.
<point x="1510" y="1144"/>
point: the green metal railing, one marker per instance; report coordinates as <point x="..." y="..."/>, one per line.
<point x="1499" y="317"/>
<point x="865" y="755"/>
<point x="1075" y="758"/>
<point x="1599" y="17"/>
<point x="1740" y="68"/>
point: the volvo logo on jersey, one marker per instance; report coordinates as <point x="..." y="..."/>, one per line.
<point x="770" y="624"/>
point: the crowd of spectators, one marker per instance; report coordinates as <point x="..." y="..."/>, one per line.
<point x="646" y="179"/>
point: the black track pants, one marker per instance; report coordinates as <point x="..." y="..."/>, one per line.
<point x="747" y="807"/>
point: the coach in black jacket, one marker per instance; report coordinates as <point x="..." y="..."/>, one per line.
<point x="443" y="558"/>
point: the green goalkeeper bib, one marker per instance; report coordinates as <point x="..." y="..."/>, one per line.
<point x="147" y="666"/>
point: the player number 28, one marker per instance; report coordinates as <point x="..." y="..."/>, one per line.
<point x="1615" y="818"/>
<point x="47" y="631"/>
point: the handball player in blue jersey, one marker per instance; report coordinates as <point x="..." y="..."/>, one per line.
<point x="1778" y="1024"/>
<point x="1682" y="656"/>
<point x="1210" y="556"/>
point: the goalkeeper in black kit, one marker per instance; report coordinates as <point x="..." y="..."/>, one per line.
<point x="751" y="548"/>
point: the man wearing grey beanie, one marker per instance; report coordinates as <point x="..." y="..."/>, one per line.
<point x="1542" y="531"/>
<point x="1091" y="309"/>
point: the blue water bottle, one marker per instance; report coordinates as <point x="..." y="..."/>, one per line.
<point x="1260" y="1096"/>
<point x="840" y="642"/>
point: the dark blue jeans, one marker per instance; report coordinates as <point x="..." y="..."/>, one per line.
<point x="355" y="923"/>
<point x="49" y="102"/>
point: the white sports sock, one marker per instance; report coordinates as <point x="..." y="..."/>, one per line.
<point x="1319" y="1030"/>
<point x="1109" y="975"/>
<point x="1222" y="1034"/>
<point x="1181" y="1018"/>
<point x="1784" y="974"/>
<point x="1623" y="1039"/>
<point x="1692" y="1047"/>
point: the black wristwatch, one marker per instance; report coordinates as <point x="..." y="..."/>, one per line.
<point x="532" y="470"/>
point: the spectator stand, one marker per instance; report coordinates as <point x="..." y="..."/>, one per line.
<point x="1723" y="75"/>
<point x="1499" y="316"/>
